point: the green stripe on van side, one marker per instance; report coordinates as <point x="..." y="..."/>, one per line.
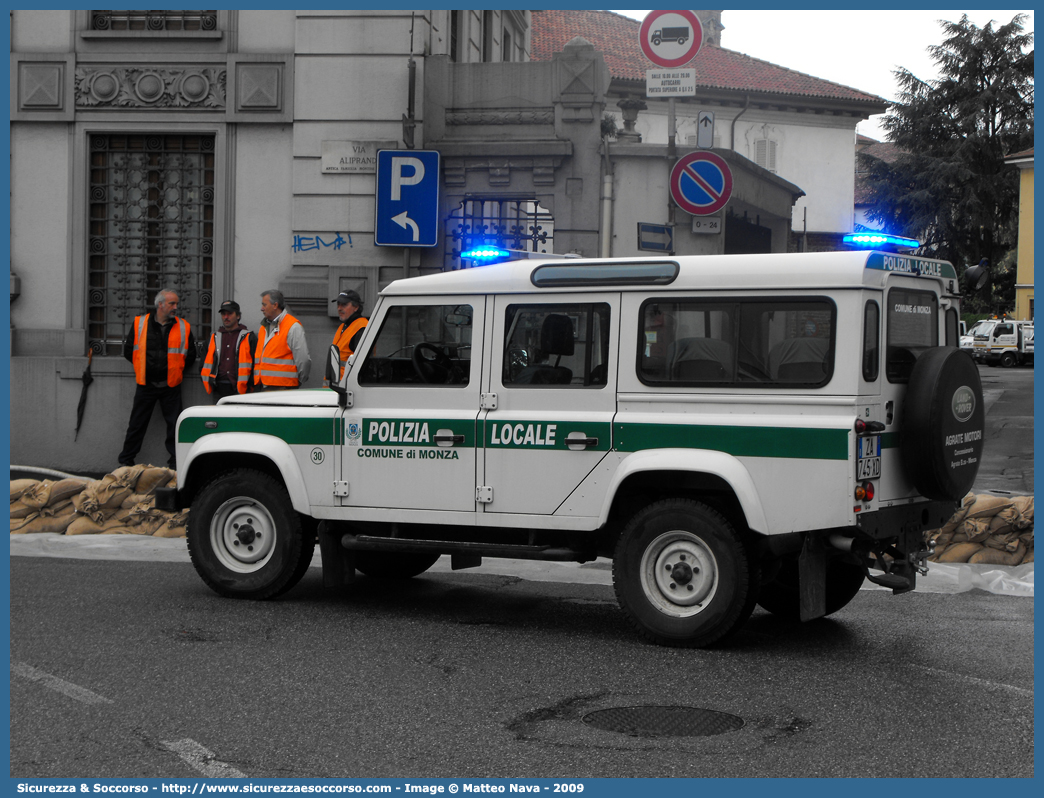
<point x="790" y="442"/>
<point x="304" y="431"/>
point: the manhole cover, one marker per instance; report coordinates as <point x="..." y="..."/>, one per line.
<point x="663" y="721"/>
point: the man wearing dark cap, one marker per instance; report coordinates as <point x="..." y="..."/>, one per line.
<point x="228" y="368"/>
<point x="349" y="311"/>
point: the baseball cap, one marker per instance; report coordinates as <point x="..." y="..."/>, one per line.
<point x="228" y="304"/>
<point x="345" y="297"/>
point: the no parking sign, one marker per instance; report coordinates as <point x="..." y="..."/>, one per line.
<point x="701" y="183"/>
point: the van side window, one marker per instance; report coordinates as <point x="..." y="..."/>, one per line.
<point x="913" y="326"/>
<point x="556" y="345"/>
<point x="871" y="341"/>
<point x="765" y="342"/>
<point x="421" y="345"/>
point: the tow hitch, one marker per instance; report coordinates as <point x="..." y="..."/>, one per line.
<point x="898" y="569"/>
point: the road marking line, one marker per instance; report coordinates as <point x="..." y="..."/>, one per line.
<point x="203" y="760"/>
<point x="59" y="685"/>
<point x="975" y="680"/>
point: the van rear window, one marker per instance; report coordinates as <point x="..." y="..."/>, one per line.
<point x="913" y="327"/>
<point x="768" y="342"/>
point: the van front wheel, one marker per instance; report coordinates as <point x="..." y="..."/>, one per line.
<point x="245" y="539"/>
<point x="682" y="574"/>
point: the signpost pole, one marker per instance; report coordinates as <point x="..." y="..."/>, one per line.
<point x="671" y="129"/>
<point x="671" y="154"/>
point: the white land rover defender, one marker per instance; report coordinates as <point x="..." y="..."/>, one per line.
<point x="730" y="430"/>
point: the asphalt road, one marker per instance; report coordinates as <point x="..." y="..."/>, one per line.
<point x="135" y="669"/>
<point x="1007" y="462"/>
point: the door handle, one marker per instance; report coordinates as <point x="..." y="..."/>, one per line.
<point x="450" y="439"/>
<point x="584" y="442"/>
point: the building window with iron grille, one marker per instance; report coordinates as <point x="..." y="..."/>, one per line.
<point x="151" y="226"/>
<point x="153" y="21"/>
<point x="511" y="223"/>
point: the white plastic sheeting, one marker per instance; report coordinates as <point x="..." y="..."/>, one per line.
<point x="1004" y="580"/>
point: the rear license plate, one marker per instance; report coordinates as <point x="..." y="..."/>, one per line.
<point x="868" y="465"/>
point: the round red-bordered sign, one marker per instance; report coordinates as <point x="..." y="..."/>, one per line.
<point x="670" y="38"/>
<point x="701" y="183"/>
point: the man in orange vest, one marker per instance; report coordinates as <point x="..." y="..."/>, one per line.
<point x="228" y="368"/>
<point x="349" y="311"/>
<point x="281" y="360"/>
<point x="162" y="349"/>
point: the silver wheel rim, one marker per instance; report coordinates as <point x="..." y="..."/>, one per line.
<point x="243" y="535"/>
<point x="679" y="574"/>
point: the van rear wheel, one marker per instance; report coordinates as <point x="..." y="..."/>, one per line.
<point x="682" y="574"/>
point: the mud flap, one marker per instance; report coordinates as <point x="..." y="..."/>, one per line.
<point x="338" y="562"/>
<point x="812" y="578"/>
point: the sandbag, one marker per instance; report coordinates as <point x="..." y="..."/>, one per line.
<point x="67" y="488"/>
<point x="972" y="530"/>
<point x="151" y="478"/>
<point x="20" y="486"/>
<point x="55" y="524"/>
<point x="961" y="514"/>
<point x="959" y="552"/>
<point x="87" y="525"/>
<point x="58" y="508"/>
<point x="999" y="557"/>
<point x="20" y="510"/>
<point x="941" y="539"/>
<point x="1002" y="522"/>
<point x="134" y="500"/>
<point x="101" y="495"/>
<point x="126" y="476"/>
<point x="17" y="524"/>
<point x="987" y="506"/>
<point x="142" y="512"/>
<point x="38" y="495"/>
<point x="166" y="531"/>
<point x="1027" y="558"/>
<point x="1024" y="507"/>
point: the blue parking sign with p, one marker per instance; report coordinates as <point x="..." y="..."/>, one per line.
<point x="407" y="193"/>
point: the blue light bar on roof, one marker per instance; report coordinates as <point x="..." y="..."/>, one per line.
<point x="486" y="254"/>
<point x="879" y="239"/>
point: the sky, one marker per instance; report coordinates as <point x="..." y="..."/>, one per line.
<point x="846" y="47"/>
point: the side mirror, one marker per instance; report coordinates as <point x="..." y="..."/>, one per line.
<point x="333" y="375"/>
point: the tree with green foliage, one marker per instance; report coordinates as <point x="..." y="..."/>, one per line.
<point x="948" y="186"/>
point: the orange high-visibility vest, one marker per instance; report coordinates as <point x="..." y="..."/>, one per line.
<point x="177" y="348"/>
<point x="212" y="360"/>
<point x="343" y="339"/>
<point x="274" y="361"/>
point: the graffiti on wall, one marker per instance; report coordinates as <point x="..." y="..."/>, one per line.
<point x="307" y="243"/>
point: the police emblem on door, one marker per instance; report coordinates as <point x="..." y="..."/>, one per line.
<point x="354" y="432"/>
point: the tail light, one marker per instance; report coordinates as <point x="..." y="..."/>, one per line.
<point x="865" y="492"/>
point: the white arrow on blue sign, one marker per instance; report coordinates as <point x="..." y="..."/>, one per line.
<point x="407" y="212"/>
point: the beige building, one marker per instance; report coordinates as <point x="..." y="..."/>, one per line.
<point x="1024" y="272"/>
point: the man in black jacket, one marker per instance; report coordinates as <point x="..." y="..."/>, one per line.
<point x="161" y="348"/>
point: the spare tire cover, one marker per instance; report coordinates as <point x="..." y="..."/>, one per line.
<point x="943" y="424"/>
